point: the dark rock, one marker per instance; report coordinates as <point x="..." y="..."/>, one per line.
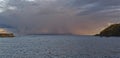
<point x="7" y="35"/>
<point x="112" y="30"/>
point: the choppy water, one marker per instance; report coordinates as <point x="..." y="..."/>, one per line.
<point x="56" y="46"/>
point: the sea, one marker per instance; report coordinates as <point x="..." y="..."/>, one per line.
<point x="60" y="46"/>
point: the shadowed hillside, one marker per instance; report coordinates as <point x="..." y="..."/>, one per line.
<point x="112" y="30"/>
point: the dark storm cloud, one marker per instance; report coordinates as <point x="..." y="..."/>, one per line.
<point x="59" y="16"/>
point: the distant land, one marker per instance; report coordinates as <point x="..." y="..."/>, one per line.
<point x="6" y="26"/>
<point x="50" y="34"/>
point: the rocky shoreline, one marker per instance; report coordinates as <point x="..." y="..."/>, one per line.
<point x="7" y="35"/>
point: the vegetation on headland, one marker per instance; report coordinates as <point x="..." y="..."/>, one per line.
<point x="112" y="30"/>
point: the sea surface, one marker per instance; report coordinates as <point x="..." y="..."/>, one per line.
<point x="60" y="46"/>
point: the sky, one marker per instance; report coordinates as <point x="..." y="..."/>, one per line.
<point x="79" y="17"/>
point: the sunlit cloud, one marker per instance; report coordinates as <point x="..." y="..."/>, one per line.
<point x="3" y="5"/>
<point x="110" y="24"/>
<point x="88" y="6"/>
<point x="12" y="8"/>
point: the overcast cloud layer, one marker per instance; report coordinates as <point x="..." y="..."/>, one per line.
<point x="58" y="16"/>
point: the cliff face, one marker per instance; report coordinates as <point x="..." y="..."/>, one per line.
<point x="113" y="30"/>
